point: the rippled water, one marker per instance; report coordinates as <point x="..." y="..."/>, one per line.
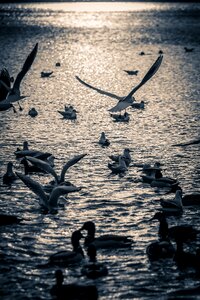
<point x="98" y="45"/>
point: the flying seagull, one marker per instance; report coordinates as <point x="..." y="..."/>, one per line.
<point x="128" y="100"/>
<point x="14" y="92"/>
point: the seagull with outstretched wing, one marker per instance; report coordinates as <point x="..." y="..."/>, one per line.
<point x="14" y="92"/>
<point x="128" y="100"/>
<point x="49" y="202"/>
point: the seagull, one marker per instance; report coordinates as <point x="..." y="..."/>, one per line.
<point x="48" y="202"/>
<point x="126" y="155"/>
<point x="47" y="168"/>
<point x="119" y="167"/>
<point x="9" y="176"/>
<point x="103" y="141"/>
<point x="128" y="100"/>
<point x="14" y="92"/>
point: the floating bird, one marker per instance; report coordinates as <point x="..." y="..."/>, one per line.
<point x="46" y="73"/>
<point x="48" y="202"/>
<point x="27" y="152"/>
<point x="103" y="141"/>
<point x="14" y="92"/>
<point x="9" y="176"/>
<point x="138" y="105"/>
<point x="9" y="220"/>
<point x="33" y="112"/>
<point x="128" y="100"/>
<point x="175" y="203"/>
<point x="185" y="259"/>
<point x="134" y="72"/>
<point x="104" y="241"/>
<point x="93" y="269"/>
<point x="126" y="155"/>
<point x="184" y="232"/>
<point x="47" y="168"/>
<point x="118" y="167"/>
<point x="68" y="115"/>
<point x="68" y="257"/>
<point x="191" y="199"/>
<point x="72" y="291"/>
<point x="160" y="250"/>
<point x="121" y="118"/>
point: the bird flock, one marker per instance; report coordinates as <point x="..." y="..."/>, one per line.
<point x="39" y="162"/>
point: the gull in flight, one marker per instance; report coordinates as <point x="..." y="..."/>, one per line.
<point x="124" y="102"/>
<point x="45" y="166"/>
<point x="49" y="202"/>
<point x="14" y="92"/>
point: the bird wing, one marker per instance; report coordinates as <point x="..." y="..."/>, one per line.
<point x="98" y="90"/>
<point x="43" y="166"/>
<point x="70" y="163"/>
<point x="27" y="64"/>
<point x="35" y="187"/>
<point x="58" y="191"/>
<point x="123" y="104"/>
<point x="154" y="68"/>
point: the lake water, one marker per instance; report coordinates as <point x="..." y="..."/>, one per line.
<point x="97" y="41"/>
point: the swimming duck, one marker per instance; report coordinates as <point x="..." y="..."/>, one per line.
<point x="104" y="241"/>
<point x="94" y="269"/>
<point x="33" y="112"/>
<point x="185" y="259"/>
<point x="118" y="167"/>
<point x="9" y="176"/>
<point x="125" y="154"/>
<point x="46" y="73"/>
<point x="184" y="232"/>
<point x="9" y="220"/>
<point x="126" y="101"/>
<point x="191" y="199"/>
<point x="160" y="250"/>
<point x="14" y="92"/>
<point x="68" y="257"/>
<point x="72" y="291"/>
<point x="103" y="141"/>
<point x="48" y="202"/>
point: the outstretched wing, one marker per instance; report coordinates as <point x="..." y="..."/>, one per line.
<point x="154" y="68"/>
<point x="27" y="64"/>
<point x="58" y="191"/>
<point x="35" y="187"/>
<point x="98" y="90"/>
<point x="45" y="166"/>
<point x="122" y="105"/>
<point x="70" y="163"/>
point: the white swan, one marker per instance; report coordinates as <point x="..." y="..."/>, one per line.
<point x="124" y="102"/>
